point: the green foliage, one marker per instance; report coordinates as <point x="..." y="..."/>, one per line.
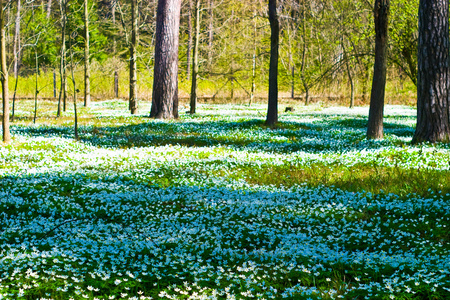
<point x="403" y="35"/>
<point x="40" y="35"/>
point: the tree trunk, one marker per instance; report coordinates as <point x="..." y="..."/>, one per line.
<point x="272" y="110"/>
<point x="433" y="73"/>
<point x="16" y="46"/>
<point x="16" y="53"/>
<point x="75" y="91"/>
<point x="165" y="79"/>
<point x="62" y="65"/>
<point x="116" y="84"/>
<point x="352" y="85"/>
<point x="210" y="32"/>
<point x="133" y="58"/>
<point x="87" y="67"/>
<point x="116" y="72"/>
<point x="375" y="125"/>
<point x="303" y="53"/>
<point x="36" y="90"/>
<point x="195" y="58"/>
<point x="189" y="45"/>
<point x="4" y="76"/>
<point x="253" y="90"/>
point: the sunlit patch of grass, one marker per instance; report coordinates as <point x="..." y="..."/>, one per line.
<point x="358" y="178"/>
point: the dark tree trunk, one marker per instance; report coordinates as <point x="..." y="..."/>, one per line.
<point x="116" y="84"/>
<point x="4" y="76"/>
<point x="433" y="73"/>
<point x="165" y="79"/>
<point x="272" y="111"/>
<point x="193" y="104"/>
<point x="375" y="125"/>
<point x="133" y="58"/>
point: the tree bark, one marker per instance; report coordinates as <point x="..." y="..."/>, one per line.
<point x="36" y="89"/>
<point x="4" y="76"/>
<point x="87" y="66"/>
<point x="272" y="110"/>
<point x="433" y="73"/>
<point x="165" y="79"/>
<point x="303" y="66"/>
<point x="253" y="90"/>
<point x="16" y="53"/>
<point x="194" y="84"/>
<point x="133" y="58"/>
<point x="210" y="32"/>
<point x="189" y="45"/>
<point x="62" y="65"/>
<point x="381" y="16"/>
<point x="16" y="46"/>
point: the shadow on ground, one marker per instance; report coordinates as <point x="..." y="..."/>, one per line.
<point x="330" y="133"/>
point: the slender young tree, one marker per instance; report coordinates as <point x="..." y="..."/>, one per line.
<point x="165" y="79"/>
<point x="133" y="58"/>
<point x="16" y="53"/>
<point x="381" y="15"/>
<point x="210" y="32"/>
<point x="433" y="73"/>
<point x="194" y="84"/>
<point x="4" y="76"/>
<point x="62" y="64"/>
<point x="113" y="4"/>
<point x="16" y="46"/>
<point x="272" y="110"/>
<point x="87" y="65"/>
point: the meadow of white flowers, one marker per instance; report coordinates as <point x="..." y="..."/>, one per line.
<point x="147" y="209"/>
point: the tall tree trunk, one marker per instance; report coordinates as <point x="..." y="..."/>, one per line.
<point x="375" y="125"/>
<point x="272" y="110"/>
<point x="133" y="58"/>
<point x="433" y="72"/>
<point x="189" y="45"/>
<point x="62" y="65"/>
<point x="36" y="89"/>
<point x="352" y="84"/>
<point x="165" y="79"/>
<point x="16" y="46"/>
<point x="303" y="53"/>
<point x="210" y="32"/>
<point x="252" y="94"/>
<point x="195" y="58"/>
<point x="87" y="65"/>
<point x="16" y="53"/>
<point x="75" y="91"/>
<point x="116" y="72"/>
<point x="4" y="76"/>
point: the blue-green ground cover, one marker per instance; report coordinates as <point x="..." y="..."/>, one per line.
<point x="202" y="208"/>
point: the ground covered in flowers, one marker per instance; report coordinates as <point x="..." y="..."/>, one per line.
<point x="218" y="206"/>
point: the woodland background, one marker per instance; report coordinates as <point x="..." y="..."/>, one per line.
<point x="326" y="49"/>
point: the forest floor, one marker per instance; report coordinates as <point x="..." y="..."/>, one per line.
<point x="218" y="206"/>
